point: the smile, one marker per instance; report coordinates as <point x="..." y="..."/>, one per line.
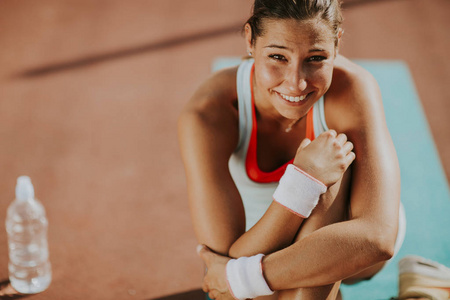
<point x="293" y="99"/>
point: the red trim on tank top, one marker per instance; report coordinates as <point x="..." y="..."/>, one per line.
<point x="251" y="163"/>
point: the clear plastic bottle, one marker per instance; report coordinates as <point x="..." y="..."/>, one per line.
<point x="26" y="224"/>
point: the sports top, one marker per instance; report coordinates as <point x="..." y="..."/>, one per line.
<point x="255" y="186"/>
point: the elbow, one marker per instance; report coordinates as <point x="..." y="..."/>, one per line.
<point x="383" y="245"/>
<point x="385" y="250"/>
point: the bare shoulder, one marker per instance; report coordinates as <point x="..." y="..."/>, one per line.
<point x="354" y="98"/>
<point x="220" y="88"/>
<point x="210" y="117"/>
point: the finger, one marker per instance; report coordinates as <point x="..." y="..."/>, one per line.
<point x="350" y="158"/>
<point x="341" y="138"/>
<point x="348" y="146"/>
<point x="205" y="287"/>
<point x="332" y="132"/>
<point x="205" y="254"/>
<point x="328" y="134"/>
<point x="213" y="294"/>
<point x="304" y="143"/>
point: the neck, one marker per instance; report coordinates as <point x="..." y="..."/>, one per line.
<point x="291" y="126"/>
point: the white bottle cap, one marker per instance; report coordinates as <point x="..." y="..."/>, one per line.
<point x="24" y="188"/>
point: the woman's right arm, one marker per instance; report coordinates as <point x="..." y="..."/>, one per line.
<point x="208" y="135"/>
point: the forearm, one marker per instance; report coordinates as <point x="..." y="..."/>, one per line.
<point x="294" y="199"/>
<point x="274" y="231"/>
<point x="327" y="255"/>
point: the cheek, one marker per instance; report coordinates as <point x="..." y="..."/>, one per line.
<point x="322" y="76"/>
<point x="268" y="76"/>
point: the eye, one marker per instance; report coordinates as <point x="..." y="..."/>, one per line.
<point x="278" y="57"/>
<point x="317" y="58"/>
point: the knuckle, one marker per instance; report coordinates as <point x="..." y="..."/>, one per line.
<point x="330" y="133"/>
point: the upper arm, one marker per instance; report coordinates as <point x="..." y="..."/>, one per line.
<point x="375" y="188"/>
<point x="208" y="134"/>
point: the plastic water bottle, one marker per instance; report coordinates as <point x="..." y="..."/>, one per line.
<point x="26" y="224"/>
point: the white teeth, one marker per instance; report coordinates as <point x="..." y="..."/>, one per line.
<point x="293" y="99"/>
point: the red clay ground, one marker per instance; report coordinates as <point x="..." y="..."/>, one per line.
<point x="89" y="96"/>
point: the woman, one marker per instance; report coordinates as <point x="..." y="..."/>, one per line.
<point x="247" y="127"/>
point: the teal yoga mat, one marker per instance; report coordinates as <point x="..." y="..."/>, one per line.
<point x="425" y="192"/>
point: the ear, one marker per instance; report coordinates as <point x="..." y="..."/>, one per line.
<point x="248" y="38"/>
<point x="340" y="33"/>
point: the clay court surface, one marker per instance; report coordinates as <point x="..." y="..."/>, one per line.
<point x="90" y="92"/>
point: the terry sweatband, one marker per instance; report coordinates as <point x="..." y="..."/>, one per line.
<point x="245" y="278"/>
<point x="298" y="191"/>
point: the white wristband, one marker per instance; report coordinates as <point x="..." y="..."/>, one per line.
<point x="298" y="191"/>
<point x="245" y="278"/>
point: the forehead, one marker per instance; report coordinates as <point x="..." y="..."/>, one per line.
<point x="296" y="33"/>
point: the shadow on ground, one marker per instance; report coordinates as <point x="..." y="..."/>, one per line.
<point x="8" y="292"/>
<point x="189" y="295"/>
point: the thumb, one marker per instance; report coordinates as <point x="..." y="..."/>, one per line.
<point x="304" y="143"/>
<point x="205" y="254"/>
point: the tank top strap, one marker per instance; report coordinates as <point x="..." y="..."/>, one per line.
<point x="317" y="118"/>
<point x="244" y="101"/>
<point x="310" y="124"/>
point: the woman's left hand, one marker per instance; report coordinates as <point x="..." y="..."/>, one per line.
<point x="215" y="280"/>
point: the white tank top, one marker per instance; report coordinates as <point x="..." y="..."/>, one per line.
<point x="256" y="197"/>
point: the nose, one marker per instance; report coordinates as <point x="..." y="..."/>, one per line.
<point x="297" y="80"/>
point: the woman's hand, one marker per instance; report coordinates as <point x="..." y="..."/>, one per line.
<point x="215" y="280"/>
<point x="326" y="158"/>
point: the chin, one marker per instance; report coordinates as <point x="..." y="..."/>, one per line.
<point x="294" y="110"/>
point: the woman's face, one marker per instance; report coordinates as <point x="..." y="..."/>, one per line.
<point x="293" y="64"/>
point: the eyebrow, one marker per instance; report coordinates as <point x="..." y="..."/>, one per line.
<point x="286" y="48"/>
<point x="276" y="46"/>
